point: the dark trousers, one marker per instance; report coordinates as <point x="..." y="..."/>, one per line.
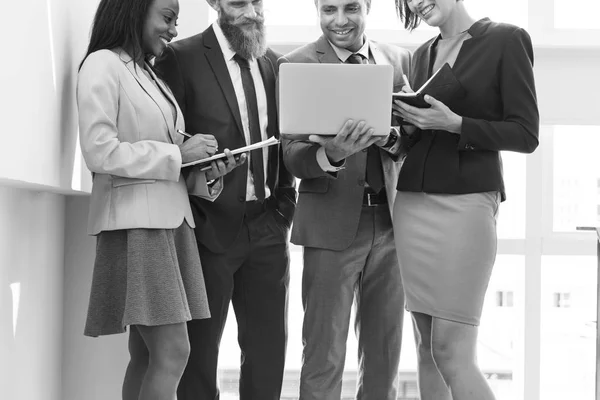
<point x="254" y="275"/>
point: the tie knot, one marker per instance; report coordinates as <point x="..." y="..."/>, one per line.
<point x="242" y="62"/>
<point x="356" y="58"/>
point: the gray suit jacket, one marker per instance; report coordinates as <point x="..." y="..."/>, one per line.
<point x="329" y="205"/>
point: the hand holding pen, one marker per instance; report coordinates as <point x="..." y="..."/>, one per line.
<point x="197" y="146"/>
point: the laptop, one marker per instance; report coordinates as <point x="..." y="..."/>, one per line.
<point x="319" y="98"/>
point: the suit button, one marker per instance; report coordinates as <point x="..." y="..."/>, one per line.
<point x="361" y="182"/>
<point x="469" y="147"/>
<point x="364" y="150"/>
<point x="242" y="199"/>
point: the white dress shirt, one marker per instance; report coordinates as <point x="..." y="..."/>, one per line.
<point x="261" y="99"/>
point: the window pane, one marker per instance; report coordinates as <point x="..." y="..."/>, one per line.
<point x="383" y="13"/>
<point x="509" y="11"/>
<point x="568" y="343"/>
<point x="569" y="15"/>
<point x="511" y="218"/>
<point x="576" y="177"/>
<point x="501" y="329"/>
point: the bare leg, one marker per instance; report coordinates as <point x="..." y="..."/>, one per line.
<point x="169" y="349"/>
<point x="431" y="383"/>
<point x="138" y="364"/>
<point x="454" y="347"/>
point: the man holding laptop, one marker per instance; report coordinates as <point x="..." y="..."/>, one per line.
<point x="343" y="220"/>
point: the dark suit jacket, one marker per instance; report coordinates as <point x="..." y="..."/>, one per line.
<point x="329" y="205"/>
<point x="499" y="112"/>
<point x="196" y="71"/>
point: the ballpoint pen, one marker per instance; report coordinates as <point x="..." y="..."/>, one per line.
<point x="405" y="79"/>
<point x="184" y="133"/>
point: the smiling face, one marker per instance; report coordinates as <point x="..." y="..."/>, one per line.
<point x="343" y="21"/>
<point x="433" y="12"/>
<point x="159" y="26"/>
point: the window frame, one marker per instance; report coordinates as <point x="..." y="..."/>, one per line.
<point x="539" y="239"/>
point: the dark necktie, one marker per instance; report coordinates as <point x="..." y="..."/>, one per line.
<point x="256" y="156"/>
<point x="374" y="173"/>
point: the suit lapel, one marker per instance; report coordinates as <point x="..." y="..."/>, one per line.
<point x="215" y="59"/>
<point x="267" y="73"/>
<point x="150" y="90"/>
<point x="378" y="56"/>
<point x="268" y="77"/>
<point x="178" y="116"/>
<point x="325" y="52"/>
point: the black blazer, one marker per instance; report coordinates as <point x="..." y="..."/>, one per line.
<point x="499" y="110"/>
<point x="195" y="70"/>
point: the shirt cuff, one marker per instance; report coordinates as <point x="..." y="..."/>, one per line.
<point x="324" y="163"/>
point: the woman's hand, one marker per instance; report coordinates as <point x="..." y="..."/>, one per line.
<point x="220" y="168"/>
<point x="409" y="129"/>
<point x="197" y="147"/>
<point x="438" y="116"/>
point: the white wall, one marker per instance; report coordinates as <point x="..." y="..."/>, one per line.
<point x="93" y="368"/>
<point x="31" y="294"/>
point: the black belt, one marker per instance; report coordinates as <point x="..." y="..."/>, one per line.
<point x="371" y="199"/>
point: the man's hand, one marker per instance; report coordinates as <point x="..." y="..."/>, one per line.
<point x="352" y="138"/>
<point x="220" y="168"/>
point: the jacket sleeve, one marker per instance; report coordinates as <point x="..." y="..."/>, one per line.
<point x="98" y="100"/>
<point x="519" y="128"/>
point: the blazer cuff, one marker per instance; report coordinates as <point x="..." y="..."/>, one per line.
<point x="197" y="185"/>
<point x="324" y="163"/>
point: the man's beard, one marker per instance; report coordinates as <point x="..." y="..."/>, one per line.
<point x="249" y="42"/>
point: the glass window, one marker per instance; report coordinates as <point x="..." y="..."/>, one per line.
<point x="511" y="218"/>
<point x="576" y="177"/>
<point x="569" y="15"/>
<point x="500" y="330"/>
<point x="568" y="342"/>
<point x="383" y="13"/>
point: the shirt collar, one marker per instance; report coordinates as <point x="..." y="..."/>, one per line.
<point x="343" y="54"/>
<point x="228" y="52"/>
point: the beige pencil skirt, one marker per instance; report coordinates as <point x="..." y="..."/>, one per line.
<point x="446" y="246"/>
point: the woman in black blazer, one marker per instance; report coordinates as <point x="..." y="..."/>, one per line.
<point x="451" y="184"/>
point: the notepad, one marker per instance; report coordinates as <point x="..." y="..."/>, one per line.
<point x="442" y="86"/>
<point x="259" y="145"/>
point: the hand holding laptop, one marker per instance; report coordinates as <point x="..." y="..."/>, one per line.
<point x="352" y="138"/>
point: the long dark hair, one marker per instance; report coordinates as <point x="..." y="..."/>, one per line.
<point x="119" y="23"/>
<point x="410" y="19"/>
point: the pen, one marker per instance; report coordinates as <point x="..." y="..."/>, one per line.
<point x="405" y="79"/>
<point x="184" y="133"/>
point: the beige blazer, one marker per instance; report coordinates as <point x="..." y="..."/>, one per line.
<point x="129" y="141"/>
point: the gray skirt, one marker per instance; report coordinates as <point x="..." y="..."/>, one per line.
<point x="145" y="277"/>
<point x="446" y="246"/>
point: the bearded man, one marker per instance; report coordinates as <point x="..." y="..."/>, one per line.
<point x="224" y="81"/>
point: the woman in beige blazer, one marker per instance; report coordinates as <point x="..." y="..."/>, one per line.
<point x="147" y="272"/>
